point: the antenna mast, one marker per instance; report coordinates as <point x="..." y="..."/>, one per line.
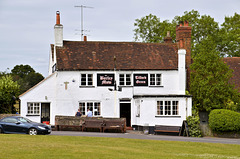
<point x="82" y="6"/>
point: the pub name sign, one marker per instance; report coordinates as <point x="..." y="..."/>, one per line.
<point x="140" y="79"/>
<point x="105" y="79"/>
<point x="108" y="79"/>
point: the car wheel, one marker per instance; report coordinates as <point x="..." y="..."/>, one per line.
<point x="32" y="131"/>
<point x="1" y="131"/>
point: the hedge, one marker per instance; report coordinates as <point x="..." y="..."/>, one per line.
<point x="222" y="120"/>
<point x="194" y="126"/>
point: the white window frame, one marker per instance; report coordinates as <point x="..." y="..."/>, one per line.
<point x="34" y="108"/>
<point x="124" y="79"/>
<point x="167" y="108"/>
<point x="90" y="104"/>
<point x="156" y="81"/>
<point x="87" y="79"/>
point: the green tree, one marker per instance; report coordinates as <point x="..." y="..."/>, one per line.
<point x="4" y="73"/>
<point x="9" y="90"/>
<point x="229" y="39"/>
<point x="22" y="70"/>
<point x="151" y="29"/>
<point x="34" y="78"/>
<point x="26" y="77"/>
<point x="203" y="26"/>
<point x="210" y="77"/>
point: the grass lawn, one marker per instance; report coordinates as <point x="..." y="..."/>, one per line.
<point x="71" y="147"/>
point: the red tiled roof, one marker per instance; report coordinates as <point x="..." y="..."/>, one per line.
<point x="80" y="55"/>
<point x="234" y="63"/>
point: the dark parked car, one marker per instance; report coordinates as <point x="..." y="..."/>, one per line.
<point x="17" y="124"/>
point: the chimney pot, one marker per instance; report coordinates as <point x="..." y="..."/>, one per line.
<point x="185" y="23"/>
<point x="85" y="38"/>
<point x="181" y="23"/>
<point x="57" y="17"/>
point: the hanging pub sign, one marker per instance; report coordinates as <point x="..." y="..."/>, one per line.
<point x="105" y="79"/>
<point x="140" y="79"/>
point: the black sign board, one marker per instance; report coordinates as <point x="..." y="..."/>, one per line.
<point x="105" y="79"/>
<point x="140" y="79"/>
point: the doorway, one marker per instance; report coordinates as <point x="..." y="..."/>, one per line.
<point x="125" y="112"/>
<point x="45" y="112"/>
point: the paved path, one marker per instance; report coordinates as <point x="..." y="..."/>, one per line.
<point x="133" y="135"/>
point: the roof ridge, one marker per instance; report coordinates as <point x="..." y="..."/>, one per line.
<point x="133" y="42"/>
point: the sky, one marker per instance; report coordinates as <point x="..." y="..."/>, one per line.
<point x="27" y="26"/>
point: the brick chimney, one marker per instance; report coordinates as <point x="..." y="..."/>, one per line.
<point x="58" y="31"/>
<point x="183" y="39"/>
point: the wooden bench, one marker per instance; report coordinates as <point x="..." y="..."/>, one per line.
<point x="115" y="125"/>
<point x="91" y="123"/>
<point x="167" y="129"/>
<point x="83" y="123"/>
<point x="65" y="122"/>
<point x="62" y="127"/>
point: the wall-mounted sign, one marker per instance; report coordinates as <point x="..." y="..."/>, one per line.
<point x="140" y="79"/>
<point x="105" y="79"/>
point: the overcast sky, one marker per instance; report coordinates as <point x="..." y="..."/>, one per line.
<point x="26" y="26"/>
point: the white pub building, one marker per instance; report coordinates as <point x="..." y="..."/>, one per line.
<point x="142" y="82"/>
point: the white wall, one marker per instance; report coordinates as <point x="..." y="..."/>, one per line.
<point x="148" y="112"/>
<point x="66" y="101"/>
<point x="44" y="92"/>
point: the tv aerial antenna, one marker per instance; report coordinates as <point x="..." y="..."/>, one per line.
<point x="81" y="13"/>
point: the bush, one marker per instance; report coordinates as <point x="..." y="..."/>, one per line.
<point x="222" y="120"/>
<point x="194" y="126"/>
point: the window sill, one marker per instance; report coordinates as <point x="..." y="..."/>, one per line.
<point x="167" y="116"/>
<point x="155" y="86"/>
<point x="86" y="86"/>
<point x="32" y="115"/>
<point x="125" y="86"/>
